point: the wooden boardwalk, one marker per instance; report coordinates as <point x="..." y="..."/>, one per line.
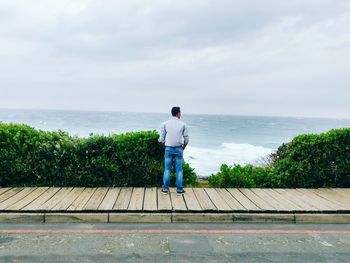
<point x="119" y="201"/>
<point x="214" y="200"/>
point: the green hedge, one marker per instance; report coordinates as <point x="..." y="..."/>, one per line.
<point x="246" y="176"/>
<point x="29" y="157"/>
<point x="315" y="160"/>
<point x="308" y="161"/>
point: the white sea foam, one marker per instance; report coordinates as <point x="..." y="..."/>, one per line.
<point x="208" y="161"/>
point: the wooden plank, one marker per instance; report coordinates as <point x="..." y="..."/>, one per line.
<point x="4" y="190"/>
<point x="56" y="198"/>
<point x="110" y="199"/>
<point x="136" y="200"/>
<point x="204" y="200"/>
<point x="41" y="199"/>
<point x="68" y="199"/>
<point x="230" y="200"/>
<point x="219" y="202"/>
<point x="191" y="200"/>
<point x="150" y="202"/>
<point x="296" y="199"/>
<point x="345" y="193"/>
<point x="177" y="201"/>
<point x="259" y="201"/>
<point x="17" y="197"/>
<point x="337" y="191"/>
<point x="123" y="200"/>
<point x="243" y="200"/>
<point x="307" y="199"/>
<point x="335" y="199"/>
<point x="286" y="201"/>
<point x="28" y="199"/>
<point x="268" y="197"/>
<point x="164" y="203"/>
<point x="96" y="199"/>
<point x="344" y="189"/>
<point x="317" y="201"/>
<point x="82" y="199"/>
<point x="10" y="193"/>
<point x="335" y="195"/>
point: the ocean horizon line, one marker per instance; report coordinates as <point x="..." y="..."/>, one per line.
<point x="185" y="113"/>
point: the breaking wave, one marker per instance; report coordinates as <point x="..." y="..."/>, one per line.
<point x="207" y="161"/>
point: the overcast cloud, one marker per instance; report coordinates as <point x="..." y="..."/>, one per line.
<point x="262" y="57"/>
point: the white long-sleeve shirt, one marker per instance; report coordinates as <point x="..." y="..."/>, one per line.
<point x="174" y="133"/>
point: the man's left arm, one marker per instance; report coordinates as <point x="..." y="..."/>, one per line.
<point x="186" y="138"/>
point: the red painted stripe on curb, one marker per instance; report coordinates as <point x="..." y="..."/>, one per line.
<point x="172" y="231"/>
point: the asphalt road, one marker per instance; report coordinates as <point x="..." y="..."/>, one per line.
<point x="174" y="243"/>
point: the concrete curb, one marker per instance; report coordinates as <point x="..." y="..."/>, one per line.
<point x="139" y="218"/>
<point x="22" y="218"/>
<point x="76" y="218"/>
<point x="322" y="218"/>
<point x="238" y="218"/>
<point x="264" y="218"/>
<point x="202" y="218"/>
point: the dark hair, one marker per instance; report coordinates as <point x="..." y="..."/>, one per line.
<point x="175" y="111"/>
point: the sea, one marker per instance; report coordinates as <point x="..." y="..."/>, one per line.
<point x="214" y="139"/>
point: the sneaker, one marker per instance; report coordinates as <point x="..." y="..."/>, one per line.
<point x="181" y="192"/>
<point x="165" y="191"/>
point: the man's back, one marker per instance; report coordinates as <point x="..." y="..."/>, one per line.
<point x="174" y="133"/>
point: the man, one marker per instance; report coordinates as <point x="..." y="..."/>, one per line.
<point x="174" y="137"/>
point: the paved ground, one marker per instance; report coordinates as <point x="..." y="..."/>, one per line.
<point x="174" y="243"/>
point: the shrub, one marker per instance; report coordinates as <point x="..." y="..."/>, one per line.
<point x="95" y="163"/>
<point x="140" y="159"/>
<point x="29" y="157"/>
<point x="315" y="160"/>
<point x="245" y="177"/>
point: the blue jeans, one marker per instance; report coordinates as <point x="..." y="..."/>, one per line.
<point x="172" y="153"/>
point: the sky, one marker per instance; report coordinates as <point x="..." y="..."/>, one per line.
<point x="236" y="57"/>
